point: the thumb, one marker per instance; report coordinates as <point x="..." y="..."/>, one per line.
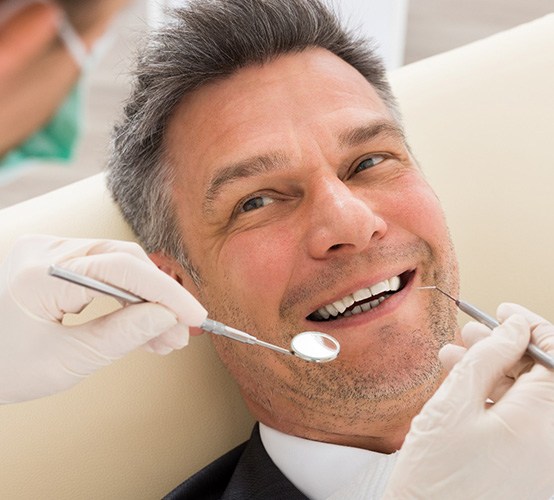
<point x="123" y="331"/>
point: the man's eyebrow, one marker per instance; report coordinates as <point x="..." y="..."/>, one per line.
<point x="249" y="167"/>
<point x="260" y="164"/>
<point x="361" y="134"/>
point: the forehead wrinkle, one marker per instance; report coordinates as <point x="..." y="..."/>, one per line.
<point x="249" y="167"/>
<point x="358" y="135"/>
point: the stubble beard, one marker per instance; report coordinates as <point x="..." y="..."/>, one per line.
<point x="346" y="397"/>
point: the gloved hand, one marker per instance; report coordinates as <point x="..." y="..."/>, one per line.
<point x="459" y="447"/>
<point x="40" y="356"/>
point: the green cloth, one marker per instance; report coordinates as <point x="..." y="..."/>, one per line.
<point x="56" y="141"/>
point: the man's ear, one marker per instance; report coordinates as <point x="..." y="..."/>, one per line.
<point x="171" y="267"/>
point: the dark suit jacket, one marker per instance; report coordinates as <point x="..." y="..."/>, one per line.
<point x="244" y="473"/>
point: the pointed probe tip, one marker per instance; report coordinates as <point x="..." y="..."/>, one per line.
<point x="435" y="287"/>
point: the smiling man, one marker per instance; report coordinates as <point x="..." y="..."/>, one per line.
<point x="308" y="213"/>
<point x="262" y="162"/>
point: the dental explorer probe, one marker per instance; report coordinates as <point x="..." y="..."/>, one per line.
<point x="309" y="346"/>
<point x="534" y="351"/>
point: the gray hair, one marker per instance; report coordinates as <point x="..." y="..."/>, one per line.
<point x="205" y="41"/>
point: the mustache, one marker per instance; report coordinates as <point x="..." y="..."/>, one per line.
<point x="344" y="268"/>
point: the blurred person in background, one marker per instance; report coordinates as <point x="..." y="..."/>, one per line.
<point x="46" y="49"/>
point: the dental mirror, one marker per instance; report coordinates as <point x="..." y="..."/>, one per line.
<point x="315" y="346"/>
<point x="310" y="346"/>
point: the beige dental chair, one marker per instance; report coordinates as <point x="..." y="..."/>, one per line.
<point x="480" y="121"/>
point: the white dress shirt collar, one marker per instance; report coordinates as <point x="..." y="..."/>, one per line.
<point x="320" y="469"/>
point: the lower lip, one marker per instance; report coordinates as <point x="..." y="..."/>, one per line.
<point x="386" y="307"/>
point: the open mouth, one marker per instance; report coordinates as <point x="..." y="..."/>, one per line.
<point x="362" y="300"/>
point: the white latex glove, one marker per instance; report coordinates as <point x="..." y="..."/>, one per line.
<point x="459" y="447"/>
<point x="39" y="356"/>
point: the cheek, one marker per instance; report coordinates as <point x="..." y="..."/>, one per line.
<point x="418" y="210"/>
<point x="258" y="263"/>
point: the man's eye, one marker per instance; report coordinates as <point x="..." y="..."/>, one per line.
<point x="255" y="202"/>
<point x="369" y="162"/>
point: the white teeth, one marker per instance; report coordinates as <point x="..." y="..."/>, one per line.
<point x="324" y="313"/>
<point x="394" y="283"/>
<point x="381" y="287"/>
<point x="340" y="306"/>
<point x="362" y="294"/>
<point x="331" y="309"/>
<point x="348" y="300"/>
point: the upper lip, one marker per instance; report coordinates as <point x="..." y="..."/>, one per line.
<point x="354" y="288"/>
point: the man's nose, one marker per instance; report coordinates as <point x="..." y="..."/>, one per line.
<point x="341" y="221"/>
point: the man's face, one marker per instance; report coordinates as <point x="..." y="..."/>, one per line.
<point x="296" y="191"/>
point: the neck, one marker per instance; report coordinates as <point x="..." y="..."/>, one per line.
<point x="382" y="436"/>
<point x="376" y="426"/>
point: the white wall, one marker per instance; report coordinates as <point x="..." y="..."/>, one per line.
<point x="383" y="20"/>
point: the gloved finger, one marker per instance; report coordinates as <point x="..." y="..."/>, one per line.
<point x="65" y="249"/>
<point x="114" y="335"/>
<point x="506" y="309"/>
<point x="174" y="338"/>
<point x="542" y="331"/>
<point x="502" y="386"/>
<point x="120" y="263"/>
<point x="486" y="363"/>
<point x="473" y="332"/>
<point x="451" y="354"/>
<point x="543" y="336"/>
<point x="43" y="296"/>
<point x="522" y="366"/>
<point x="144" y="279"/>
<point x="534" y="389"/>
<point x="506" y="361"/>
<point x="38" y="250"/>
<point x="158" y="348"/>
<point x="147" y="348"/>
